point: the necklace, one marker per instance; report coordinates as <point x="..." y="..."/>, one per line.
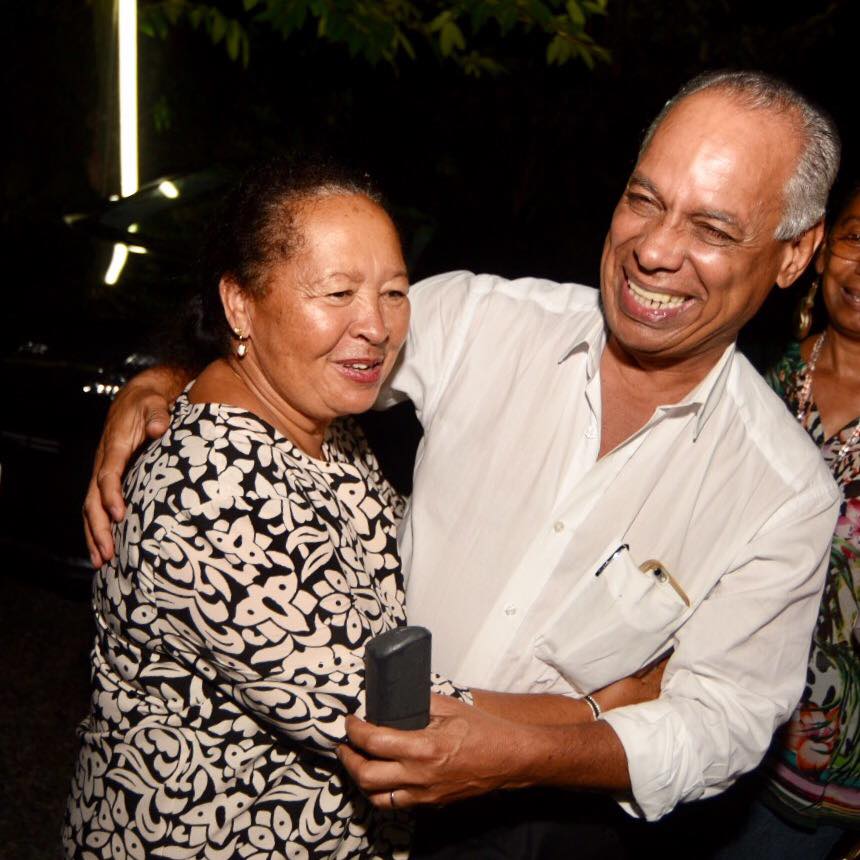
<point x="805" y="401"/>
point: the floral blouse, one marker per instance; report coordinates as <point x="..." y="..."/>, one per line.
<point x="814" y="764"/>
<point x="230" y="632"/>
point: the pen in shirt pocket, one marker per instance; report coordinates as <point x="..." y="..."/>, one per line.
<point x="615" y="554"/>
<point x="653" y="567"/>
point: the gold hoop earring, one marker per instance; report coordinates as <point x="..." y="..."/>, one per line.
<point x="803" y="314"/>
<point x="242" y="346"/>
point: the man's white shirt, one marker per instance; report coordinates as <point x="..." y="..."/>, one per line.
<point x="512" y="515"/>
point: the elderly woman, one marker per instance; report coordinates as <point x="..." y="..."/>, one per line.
<point x="257" y="556"/>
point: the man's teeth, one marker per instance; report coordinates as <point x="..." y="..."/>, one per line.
<point x="655" y="300"/>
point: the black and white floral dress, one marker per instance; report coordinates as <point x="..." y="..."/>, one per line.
<point x="230" y="632"/>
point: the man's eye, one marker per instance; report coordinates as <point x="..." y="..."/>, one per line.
<point x="340" y="294"/>
<point x="714" y="234"/>
<point x="640" y="203"/>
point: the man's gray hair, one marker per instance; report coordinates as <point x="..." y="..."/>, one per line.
<point x="807" y="189"/>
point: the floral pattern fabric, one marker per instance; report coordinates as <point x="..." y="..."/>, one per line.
<point x="814" y="765"/>
<point x="230" y="631"/>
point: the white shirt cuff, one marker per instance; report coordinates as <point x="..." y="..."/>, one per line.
<point x="661" y="758"/>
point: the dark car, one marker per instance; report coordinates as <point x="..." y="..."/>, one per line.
<point x="99" y="295"/>
<point x="92" y="310"/>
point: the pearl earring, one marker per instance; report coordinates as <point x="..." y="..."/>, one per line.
<point x="242" y="346"/>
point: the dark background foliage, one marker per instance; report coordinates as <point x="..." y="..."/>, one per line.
<point x="516" y="171"/>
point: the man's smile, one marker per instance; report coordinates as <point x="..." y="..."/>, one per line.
<point x="651" y="305"/>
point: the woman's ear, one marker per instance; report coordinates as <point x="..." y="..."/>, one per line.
<point x="236" y="302"/>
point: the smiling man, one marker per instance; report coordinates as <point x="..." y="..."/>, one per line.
<point x="596" y="487"/>
<point x="601" y="481"/>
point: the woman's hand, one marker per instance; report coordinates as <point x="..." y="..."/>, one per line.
<point x="140" y="411"/>
<point x="642" y="687"/>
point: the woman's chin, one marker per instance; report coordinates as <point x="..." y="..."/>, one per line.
<point x="354" y="402"/>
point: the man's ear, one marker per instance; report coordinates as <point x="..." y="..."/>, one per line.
<point x="798" y="252"/>
<point x="237" y="305"/>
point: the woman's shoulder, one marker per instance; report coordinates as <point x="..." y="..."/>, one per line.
<point x="206" y="445"/>
<point x="784" y="376"/>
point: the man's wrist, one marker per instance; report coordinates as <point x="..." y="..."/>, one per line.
<point x="585" y="755"/>
<point x="162" y="380"/>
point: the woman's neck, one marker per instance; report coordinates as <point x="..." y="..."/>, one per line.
<point x="228" y="381"/>
<point x="835" y="379"/>
<point x="840" y="355"/>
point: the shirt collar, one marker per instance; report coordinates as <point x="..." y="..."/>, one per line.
<point x="591" y="342"/>
<point x="707" y="394"/>
<point x="704" y="398"/>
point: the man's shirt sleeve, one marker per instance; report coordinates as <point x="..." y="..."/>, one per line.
<point x="442" y="307"/>
<point x="739" y="665"/>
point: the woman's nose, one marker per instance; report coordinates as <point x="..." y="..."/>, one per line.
<point x="370" y="322"/>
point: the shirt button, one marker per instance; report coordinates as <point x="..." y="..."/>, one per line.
<point x="558" y="527"/>
<point x="591" y="430"/>
<point x="510" y="609"/>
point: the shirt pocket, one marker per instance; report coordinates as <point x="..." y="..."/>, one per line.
<point x="613" y="626"/>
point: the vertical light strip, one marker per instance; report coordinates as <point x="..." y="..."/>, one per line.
<point x="127" y="53"/>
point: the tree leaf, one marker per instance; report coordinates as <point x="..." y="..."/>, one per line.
<point x="217" y="26"/>
<point x="451" y="38"/>
<point x="577" y="16"/>
<point x="234" y="39"/>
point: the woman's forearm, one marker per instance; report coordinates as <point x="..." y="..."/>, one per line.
<point x="548" y="709"/>
<point x="543" y="709"/>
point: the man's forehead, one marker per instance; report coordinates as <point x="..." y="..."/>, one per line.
<point x="721" y="155"/>
<point x="713" y="121"/>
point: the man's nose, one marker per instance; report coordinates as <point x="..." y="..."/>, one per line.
<point x="369" y="322"/>
<point x="662" y="247"/>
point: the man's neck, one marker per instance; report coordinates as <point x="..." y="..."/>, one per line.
<point x="632" y="387"/>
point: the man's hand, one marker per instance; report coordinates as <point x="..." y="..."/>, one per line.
<point x="466" y="751"/>
<point x="140" y="411"/>
<point x="463" y="752"/>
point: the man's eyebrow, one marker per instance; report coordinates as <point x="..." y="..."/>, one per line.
<point x="720" y="215"/>
<point x="644" y="182"/>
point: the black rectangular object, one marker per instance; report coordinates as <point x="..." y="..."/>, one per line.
<point x="397" y="678"/>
